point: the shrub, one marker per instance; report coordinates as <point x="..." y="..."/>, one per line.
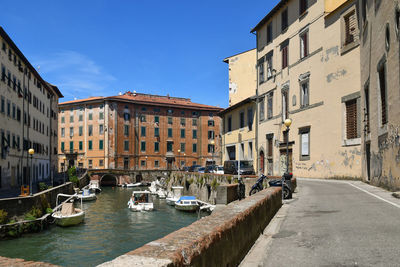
<point x="229" y="179"/>
<point x="42" y="186"/>
<point x="49" y="210"/>
<point x="74" y="180"/>
<point x="3" y="216"/>
<point x="214" y="184"/>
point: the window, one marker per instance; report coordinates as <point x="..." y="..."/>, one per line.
<point x="143" y="146"/>
<point x="194" y="148"/>
<point x="268" y="61"/>
<point x="262" y="107"/>
<point x="250" y="151"/>
<point x="270" y="105"/>
<point x="211" y="148"/>
<point x="304" y="143"/>
<point x="62" y="120"/>
<point x="304" y="94"/>
<point x="350" y="28"/>
<point x="126" y="116"/>
<point x="143" y="163"/>
<point x="303" y="5"/>
<point x="62" y="132"/>
<point x="285" y="105"/>
<point x="101" y="129"/>
<point x="143" y="131"/>
<point x="101" y="144"/>
<point x="351" y="119"/>
<point x="156" y="163"/>
<point x="71" y="118"/>
<point x="126" y="130"/>
<point x="126" y="145"/>
<point x="383" y="93"/>
<point x="169" y="120"/>
<point x="250" y="118"/>
<point x="90" y="163"/>
<point x="8" y="108"/>
<point x="285" y="55"/>
<point x="90" y="144"/>
<point x="183" y="147"/>
<point x="229" y="123"/>
<point x="269" y="33"/>
<point x="80" y="145"/>
<point x="194" y="122"/>
<point x="304" y="44"/>
<point x="241" y="119"/>
<point x="90" y="130"/>
<point x="156" y="119"/>
<point x="101" y="162"/>
<point x="101" y="115"/>
<point x="211" y="123"/>
<point x="397" y="20"/>
<point x="284" y="19"/>
<point x="71" y="131"/>
<point x="143" y="118"/>
<point x="211" y="135"/>
<point x="90" y="116"/>
<point x="156" y="147"/>
<point x="62" y="146"/>
<point x="169" y="132"/>
<point x="182" y="133"/>
<point x="261" y="70"/>
<point x="194" y="134"/>
<point x="183" y="121"/>
<point x="3" y="104"/>
<point x="270" y="138"/>
<point x="169" y="146"/>
<point x="367" y="108"/>
<point x="156" y="132"/>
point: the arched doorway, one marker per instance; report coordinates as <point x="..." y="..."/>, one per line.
<point x="108" y="180"/>
<point x="138" y="178"/>
<point x="262" y="164"/>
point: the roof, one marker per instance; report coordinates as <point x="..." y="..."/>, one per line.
<point x="241" y="103"/>
<point x="187" y="198"/>
<point x="270" y="15"/>
<point x="11" y="43"/>
<point x="226" y="60"/>
<point x="148" y="99"/>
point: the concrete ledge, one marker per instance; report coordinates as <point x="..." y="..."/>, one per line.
<point x="221" y="239"/>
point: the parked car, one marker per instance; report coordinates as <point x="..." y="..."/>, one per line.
<point x="185" y="169"/>
<point x="201" y="169"/>
<point x="210" y="169"/>
<point x="246" y="167"/>
<point x="194" y="168"/>
<point x="219" y="170"/>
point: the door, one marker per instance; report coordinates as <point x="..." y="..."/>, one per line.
<point x="262" y="164"/>
<point x="368" y="160"/>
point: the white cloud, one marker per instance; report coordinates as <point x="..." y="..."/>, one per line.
<point x="75" y="74"/>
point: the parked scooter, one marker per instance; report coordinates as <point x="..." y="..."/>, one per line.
<point x="258" y="186"/>
<point x="241" y="189"/>
<point x="287" y="192"/>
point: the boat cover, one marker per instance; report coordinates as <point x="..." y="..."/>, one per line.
<point x="187" y="198"/>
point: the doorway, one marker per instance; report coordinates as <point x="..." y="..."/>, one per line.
<point x="283" y="160"/>
<point x="262" y="163"/>
<point x="368" y="160"/>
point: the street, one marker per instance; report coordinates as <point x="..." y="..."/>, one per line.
<point x="332" y="223"/>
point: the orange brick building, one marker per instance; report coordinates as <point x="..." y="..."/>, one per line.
<point x="138" y="131"/>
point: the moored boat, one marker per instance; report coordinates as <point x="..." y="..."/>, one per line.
<point x="141" y="201"/>
<point x="187" y="203"/>
<point x="67" y="214"/>
<point x="174" y="195"/>
<point x="94" y="186"/>
<point x="86" y="195"/>
<point x="132" y="185"/>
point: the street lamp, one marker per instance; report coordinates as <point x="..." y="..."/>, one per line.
<point x="64" y="169"/>
<point x="31" y="151"/>
<point x="179" y="158"/>
<point x="287" y="123"/>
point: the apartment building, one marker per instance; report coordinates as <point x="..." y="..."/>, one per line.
<point x="239" y="127"/>
<point x="28" y="119"/>
<point x="380" y="94"/>
<point x="138" y="131"/>
<point x="308" y="70"/>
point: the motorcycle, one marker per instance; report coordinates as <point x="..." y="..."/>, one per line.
<point x="287" y="192"/>
<point x="258" y="186"/>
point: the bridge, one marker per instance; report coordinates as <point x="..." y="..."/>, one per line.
<point x="114" y="177"/>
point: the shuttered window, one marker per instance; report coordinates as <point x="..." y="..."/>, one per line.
<point x="304" y="45"/>
<point x="284" y="57"/>
<point x="382" y="84"/>
<point x="303" y="6"/>
<point x="269" y="140"/>
<point x="284" y="19"/>
<point x="351" y="119"/>
<point x="351" y="28"/>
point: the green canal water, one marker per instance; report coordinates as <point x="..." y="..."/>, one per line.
<point x="110" y="230"/>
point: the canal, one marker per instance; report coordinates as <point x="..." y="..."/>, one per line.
<point x="110" y="230"/>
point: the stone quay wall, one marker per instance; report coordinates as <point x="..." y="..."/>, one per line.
<point x="221" y="239"/>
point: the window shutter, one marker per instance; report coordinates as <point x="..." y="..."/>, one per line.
<point x="351" y="119"/>
<point x="305" y="36"/>
<point x="351" y="28"/>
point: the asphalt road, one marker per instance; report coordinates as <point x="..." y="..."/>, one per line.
<point x="332" y="223"/>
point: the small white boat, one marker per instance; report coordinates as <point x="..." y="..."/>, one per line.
<point x="132" y="185"/>
<point x="67" y="214"/>
<point x="94" y="186"/>
<point x="187" y="203"/>
<point x="175" y="195"/>
<point x="140" y="201"/>
<point x="86" y="195"/>
<point x="153" y="188"/>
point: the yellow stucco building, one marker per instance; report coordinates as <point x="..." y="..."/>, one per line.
<point x="308" y="70"/>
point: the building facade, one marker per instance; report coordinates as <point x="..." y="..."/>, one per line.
<point x="28" y="119"/>
<point x="239" y="139"/>
<point x="380" y="94"/>
<point x="138" y="131"/>
<point x="308" y="70"/>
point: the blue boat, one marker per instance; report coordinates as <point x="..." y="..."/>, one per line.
<point x="187" y="203"/>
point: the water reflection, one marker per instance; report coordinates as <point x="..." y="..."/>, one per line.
<point x="110" y="229"/>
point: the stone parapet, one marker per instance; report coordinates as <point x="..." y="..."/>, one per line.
<point x="221" y="239"/>
<point x="22" y="263"/>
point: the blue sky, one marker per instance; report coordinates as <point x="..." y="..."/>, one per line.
<point x="99" y="48"/>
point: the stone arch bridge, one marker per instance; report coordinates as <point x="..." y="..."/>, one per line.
<point x="112" y="177"/>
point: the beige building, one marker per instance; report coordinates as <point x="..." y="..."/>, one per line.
<point x="28" y="119"/>
<point x="242" y="76"/>
<point x="380" y="94"/>
<point x="239" y="127"/>
<point x="308" y="70"/>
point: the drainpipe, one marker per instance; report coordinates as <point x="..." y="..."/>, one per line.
<point x="257" y="111"/>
